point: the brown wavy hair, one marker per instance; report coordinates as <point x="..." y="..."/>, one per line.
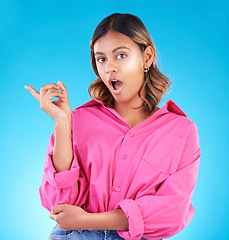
<point x="155" y="84"/>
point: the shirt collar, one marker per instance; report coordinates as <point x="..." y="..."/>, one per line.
<point x="169" y="106"/>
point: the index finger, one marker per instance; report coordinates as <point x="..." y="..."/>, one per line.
<point x="52" y="216"/>
<point x="57" y="208"/>
<point x="33" y="92"/>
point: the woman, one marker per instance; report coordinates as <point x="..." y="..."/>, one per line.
<point x="118" y="166"/>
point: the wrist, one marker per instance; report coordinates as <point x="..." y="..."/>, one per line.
<point x="63" y="119"/>
<point x="63" y="122"/>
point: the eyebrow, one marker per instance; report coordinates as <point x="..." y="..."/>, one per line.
<point x="114" y="50"/>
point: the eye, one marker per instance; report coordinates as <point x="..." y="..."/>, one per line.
<point x="100" y="59"/>
<point x="121" y="56"/>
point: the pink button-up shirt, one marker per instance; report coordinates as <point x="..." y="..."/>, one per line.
<point x="149" y="171"/>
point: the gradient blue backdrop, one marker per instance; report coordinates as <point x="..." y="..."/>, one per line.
<point x="44" y="41"/>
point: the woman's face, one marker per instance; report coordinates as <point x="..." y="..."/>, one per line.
<point x="120" y="64"/>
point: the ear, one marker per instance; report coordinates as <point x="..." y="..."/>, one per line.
<point x="148" y="57"/>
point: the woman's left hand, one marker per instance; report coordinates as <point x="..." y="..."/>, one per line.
<point x="69" y="217"/>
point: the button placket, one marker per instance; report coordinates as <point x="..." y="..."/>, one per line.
<point x="123" y="156"/>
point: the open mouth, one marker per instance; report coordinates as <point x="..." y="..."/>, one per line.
<point x="116" y="84"/>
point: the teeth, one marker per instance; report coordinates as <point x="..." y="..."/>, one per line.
<point x="113" y="83"/>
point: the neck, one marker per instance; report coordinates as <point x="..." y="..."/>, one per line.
<point x="132" y="116"/>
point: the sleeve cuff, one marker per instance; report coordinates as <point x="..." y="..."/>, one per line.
<point x="65" y="179"/>
<point x="136" y="223"/>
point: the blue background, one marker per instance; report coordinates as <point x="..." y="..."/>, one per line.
<point x="44" y="41"/>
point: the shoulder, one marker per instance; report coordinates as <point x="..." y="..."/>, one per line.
<point x="90" y="105"/>
<point x="92" y="111"/>
<point x="175" y="119"/>
<point x="171" y="109"/>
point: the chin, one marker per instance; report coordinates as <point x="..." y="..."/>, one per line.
<point x="120" y="100"/>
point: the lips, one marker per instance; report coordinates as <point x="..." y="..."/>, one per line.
<point x="116" y="85"/>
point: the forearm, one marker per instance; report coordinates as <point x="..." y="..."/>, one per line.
<point x="62" y="152"/>
<point x="111" y="220"/>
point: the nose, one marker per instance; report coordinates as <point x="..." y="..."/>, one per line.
<point x="111" y="66"/>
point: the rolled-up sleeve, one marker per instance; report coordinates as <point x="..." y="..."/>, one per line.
<point x="67" y="187"/>
<point x="169" y="210"/>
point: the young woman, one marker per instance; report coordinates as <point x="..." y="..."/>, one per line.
<point x="118" y="167"/>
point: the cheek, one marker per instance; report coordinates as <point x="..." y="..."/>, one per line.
<point x="135" y="70"/>
<point x="135" y="65"/>
<point x="99" y="69"/>
<point x="102" y="74"/>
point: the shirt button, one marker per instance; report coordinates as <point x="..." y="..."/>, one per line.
<point x="124" y="156"/>
<point x="117" y="189"/>
<point x="131" y="135"/>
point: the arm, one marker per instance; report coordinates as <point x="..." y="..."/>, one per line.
<point x="65" y="187"/>
<point x="60" y="111"/>
<point x="62" y="152"/>
<point x="111" y="220"/>
<point x="62" y="181"/>
<point x="75" y="218"/>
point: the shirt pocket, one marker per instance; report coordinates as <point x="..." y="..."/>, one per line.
<point x="164" y="152"/>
